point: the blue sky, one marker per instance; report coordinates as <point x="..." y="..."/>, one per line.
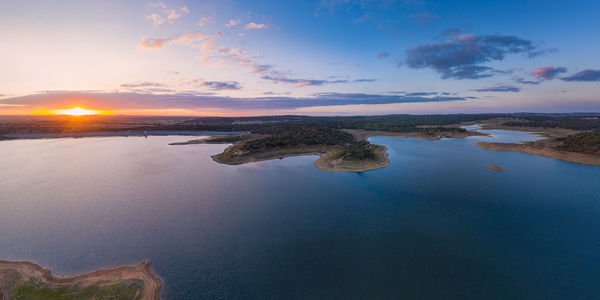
<point x="304" y="57"/>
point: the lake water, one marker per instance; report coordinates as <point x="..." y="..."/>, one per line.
<point x="435" y="224"/>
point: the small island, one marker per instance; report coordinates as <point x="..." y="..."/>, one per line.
<point x="26" y="280"/>
<point x="496" y="168"/>
<point x="339" y="150"/>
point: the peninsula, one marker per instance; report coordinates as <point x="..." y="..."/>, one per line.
<point x="570" y="138"/>
<point x="25" y="280"/>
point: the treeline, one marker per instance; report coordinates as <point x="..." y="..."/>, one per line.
<point x="586" y="142"/>
<point x="400" y="123"/>
<point x="289" y="135"/>
<point x="392" y="123"/>
<point x="360" y="150"/>
<point x="575" y="122"/>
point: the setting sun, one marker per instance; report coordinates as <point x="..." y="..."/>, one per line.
<point x="74" y="111"/>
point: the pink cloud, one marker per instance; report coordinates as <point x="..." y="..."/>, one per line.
<point x="188" y="39"/>
<point x="173" y="16"/>
<point x="152" y="44"/>
<point x="548" y="73"/>
<point x="253" y="25"/>
<point x="169" y="14"/>
<point x="156" y="19"/>
<point x="204" y="20"/>
<point x="209" y="46"/>
<point x="232" y="23"/>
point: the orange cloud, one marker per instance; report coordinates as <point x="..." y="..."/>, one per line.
<point x="185" y="39"/>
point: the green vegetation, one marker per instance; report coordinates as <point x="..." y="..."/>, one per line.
<point x="129" y="289"/>
<point x="585" y="142"/>
<point x="424" y="124"/>
<point x="568" y="121"/>
<point x="289" y="135"/>
<point x="361" y="150"/>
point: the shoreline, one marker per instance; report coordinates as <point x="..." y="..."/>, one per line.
<point x="325" y="162"/>
<point x="361" y="134"/>
<point x="574" y="157"/>
<point x="132" y="133"/>
<point x="105" y="277"/>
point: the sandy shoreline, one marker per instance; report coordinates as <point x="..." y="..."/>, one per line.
<point x="496" y="168"/>
<point x="380" y="161"/>
<point x="30" y="271"/>
<point x="581" y="158"/>
<point x="325" y="162"/>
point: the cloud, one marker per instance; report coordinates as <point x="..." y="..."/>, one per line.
<point x="188" y="39"/>
<point x="469" y="72"/>
<point x="156" y="19"/>
<point x="548" y="73"/>
<point x="421" y="94"/>
<point x="169" y="14"/>
<point x="525" y="81"/>
<point x="209" y="46"/>
<point x="152" y="44"/>
<point x="200" y="101"/>
<point x="272" y="93"/>
<point x="461" y="56"/>
<point x="278" y="78"/>
<point x="143" y="84"/>
<point x="383" y="54"/>
<point x="147" y="87"/>
<point x="586" y="75"/>
<point x="219" y="85"/>
<point x="252" y="26"/>
<point x="232" y="23"/>
<point x="173" y="16"/>
<point x="216" y="56"/>
<point x="204" y="20"/>
<point x="499" y="88"/>
<point x="236" y="58"/>
<point x="296" y="81"/>
<point x="537" y="53"/>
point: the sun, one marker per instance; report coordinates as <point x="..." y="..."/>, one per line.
<point x="76" y="111"/>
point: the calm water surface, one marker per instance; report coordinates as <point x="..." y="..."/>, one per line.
<point x="435" y="224"/>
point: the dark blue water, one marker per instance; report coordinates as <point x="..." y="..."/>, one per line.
<point x="435" y="224"/>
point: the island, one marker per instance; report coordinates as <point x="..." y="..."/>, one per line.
<point x="26" y="280"/>
<point x="339" y="150"/>
<point x="496" y="168"/>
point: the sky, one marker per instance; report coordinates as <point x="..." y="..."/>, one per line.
<point x="311" y="57"/>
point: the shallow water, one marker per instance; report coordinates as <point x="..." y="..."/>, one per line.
<point x="434" y="224"/>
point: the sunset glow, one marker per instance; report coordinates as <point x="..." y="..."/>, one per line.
<point x="199" y="58"/>
<point x="74" y="111"/>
